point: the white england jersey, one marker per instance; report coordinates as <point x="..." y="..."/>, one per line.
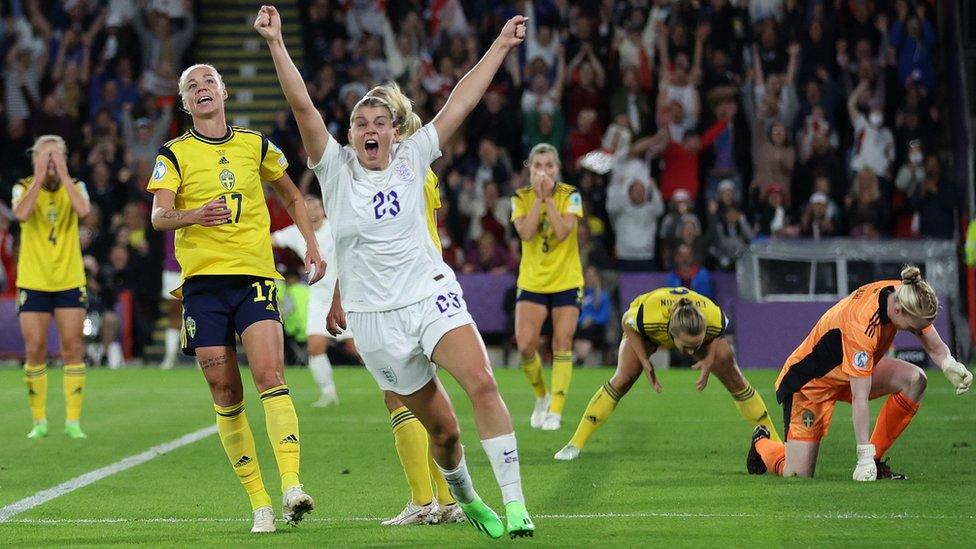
<point x="290" y="237"/>
<point x="386" y="257"/>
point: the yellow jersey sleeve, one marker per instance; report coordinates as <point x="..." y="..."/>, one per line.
<point x="519" y="206"/>
<point x="273" y="161"/>
<point x="166" y="172"/>
<point x="432" y="197"/>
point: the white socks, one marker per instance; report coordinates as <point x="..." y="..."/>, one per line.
<point x="172" y="343"/>
<point x="321" y="370"/>
<point x="459" y="481"/>
<point x="503" y="454"/>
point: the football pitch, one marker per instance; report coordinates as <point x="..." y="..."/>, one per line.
<point x="666" y="470"/>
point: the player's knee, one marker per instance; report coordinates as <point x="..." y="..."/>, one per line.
<point x="918" y="381"/>
<point x="562" y="342"/>
<point x="226" y="393"/>
<point x="71" y="351"/>
<point x="316" y="346"/>
<point x="527" y="345"/>
<point x="265" y="380"/>
<point x="445" y="435"/>
<point x="482" y="387"/>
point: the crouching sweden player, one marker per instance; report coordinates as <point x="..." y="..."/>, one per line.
<point x="670" y="318"/>
<point x="207" y="186"/>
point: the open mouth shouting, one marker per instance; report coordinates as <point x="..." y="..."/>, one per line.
<point x="372" y="148"/>
<point x="204" y="99"/>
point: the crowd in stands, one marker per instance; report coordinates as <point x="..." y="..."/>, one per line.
<point x="690" y="127"/>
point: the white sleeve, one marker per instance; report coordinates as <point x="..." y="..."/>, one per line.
<point x="425" y="144"/>
<point x="329" y="166"/>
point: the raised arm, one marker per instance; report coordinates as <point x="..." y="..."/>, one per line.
<point x="471" y="88"/>
<point x="315" y="136"/>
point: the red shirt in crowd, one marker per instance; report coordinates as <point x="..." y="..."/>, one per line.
<point x="681" y="165"/>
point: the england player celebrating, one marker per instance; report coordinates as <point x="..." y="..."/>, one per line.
<point x="207" y="187"/>
<point x="403" y="303"/>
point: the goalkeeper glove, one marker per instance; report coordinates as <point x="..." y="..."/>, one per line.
<point x="957" y="374"/>
<point x="866" y="469"/>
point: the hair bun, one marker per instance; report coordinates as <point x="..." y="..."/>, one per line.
<point x="911" y="275"/>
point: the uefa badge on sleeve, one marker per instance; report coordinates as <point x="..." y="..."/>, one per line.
<point x="159" y="171"/>
<point x="861" y="360"/>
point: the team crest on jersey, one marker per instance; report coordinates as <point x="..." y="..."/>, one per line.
<point x="390" y="375"/>
<point x="404" y="171"/>
<point x="227" y="179"/>
<point x="159" y="171"/>
<point x="860" y="360"/>
<point x="191" y="326"/>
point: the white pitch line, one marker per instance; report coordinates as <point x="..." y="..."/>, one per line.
<point x="579" y="516"/>
<point x="44" y="496"/>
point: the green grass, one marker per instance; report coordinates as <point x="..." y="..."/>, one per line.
<point x="666" y="469"/>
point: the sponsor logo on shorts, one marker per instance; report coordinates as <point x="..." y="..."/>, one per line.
<point x="191" y="326"/>
<point x="390" y="375"/>
<point x="21" y="298"/>
<point x="860" y="360"/>
<point x="808" y="418"/>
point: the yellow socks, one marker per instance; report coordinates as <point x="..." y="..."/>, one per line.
<point x="533" y="371"/>
<point x="74" y="390"/>
<point x="282" y="422"/>
<point x="235" y="435"/>
<point x="753" y="410"/>
<point x="597" y="411"/>
<point x="562" y="373"/>
<point x="35" y="375"/>
<point x="441" y="489"/>
<point x="410" y="439"/>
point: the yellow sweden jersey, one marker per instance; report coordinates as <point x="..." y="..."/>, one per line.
<point x="649" y="315"/>
<point x="199" y="169"/>
<point x="432" y="197"/>
<point x="50" y="250"/>
<point x="549" y="266"/>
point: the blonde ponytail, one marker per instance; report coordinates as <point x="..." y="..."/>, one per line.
<point x="685" y="318"/>
<point x="915" y="296"/>
<point x="394" y="100"/>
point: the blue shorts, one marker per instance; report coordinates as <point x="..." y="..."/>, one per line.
<point x="37" y="301"/>
<point x="572" y="297"/>
<point x="216" y="307"/>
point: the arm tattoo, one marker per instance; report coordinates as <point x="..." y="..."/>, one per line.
<point x="172" y="214"/>
<point x="208" y="363"/>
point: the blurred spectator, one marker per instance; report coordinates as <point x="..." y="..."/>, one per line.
<point x="487" y="255"/>
<point x="867" y="213"/>
<point x="584" y="138"/>
<point x="679" y="206"/>
<point x="8" y="259"/>
<point x="680" y="169"/>
<point x="591" y="329"/>
<point x="773" y="218"/>
<point x="634" y="205"/>
<point x="874" y="145"/>
<point x="690" y="274"/>
<point x="913" y="38"/>
<point x="452" y="251"/>
<point x="486" y="210"/>
<point x="774" y="161"/>
<point x="689" y="233"/>
<point x="816" y="221"/>
<point x="936" y="202"/>
<point x="731" y="236"/>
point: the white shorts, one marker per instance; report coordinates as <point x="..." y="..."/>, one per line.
<point x="171" y="281"/>
<point x="319" y="303"/>
<point x="396" y="345"/>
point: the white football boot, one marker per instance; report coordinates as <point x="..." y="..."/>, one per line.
<point x="264" y="520"/>
<point x="539" y="412"/>
<point x="552" y="422"/>
<point x="568" y="453"/>
<point x="295" y="504"/>
<point x="415" y="514"/>
<point x="450" y="514"/>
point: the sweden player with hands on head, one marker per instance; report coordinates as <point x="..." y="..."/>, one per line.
<point x="546" y="215"/>
<point x="670" y="318"/>
<point x="402" y="302"/>
<point x="207" y="186"/>
<point x="51" y="278"/>
<point x="844" y="358"/>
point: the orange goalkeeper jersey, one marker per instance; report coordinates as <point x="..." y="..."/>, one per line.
<point x="847" y="341"/>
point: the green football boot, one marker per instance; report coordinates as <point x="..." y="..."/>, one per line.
<point x="519" y="523"/>
<point x="483" y="518"/>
